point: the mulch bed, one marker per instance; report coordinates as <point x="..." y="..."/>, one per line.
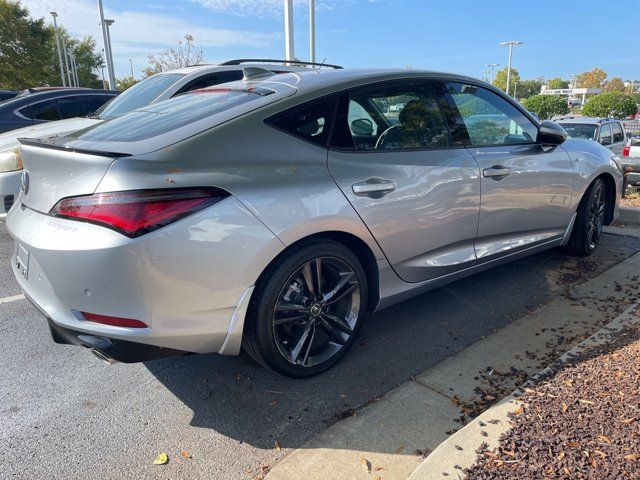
<point x="582" y="421"/>
<point x="630" y="201"/>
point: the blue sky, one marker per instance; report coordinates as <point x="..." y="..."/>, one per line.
<point x="561" y="37"/>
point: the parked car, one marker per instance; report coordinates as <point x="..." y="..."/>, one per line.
<point x="631" y="160"/>
<point x="32" y="90"/>
<point x="156" y="88"/>
<point x="262" y="213"/>
<point x="607" y="131"/>
<point x="7" y="94"/>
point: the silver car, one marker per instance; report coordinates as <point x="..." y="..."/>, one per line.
<point x="274" y="212"/>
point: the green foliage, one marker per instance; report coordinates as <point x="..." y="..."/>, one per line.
<point x="557" y="84"/>
<point x="500" y="79"/>
<point x="126" y="82"/>
<point x="546" y="106"/>
<point x="527" y="88"/>
<point x="28" y="52"/>
<point x="611" y="104"/>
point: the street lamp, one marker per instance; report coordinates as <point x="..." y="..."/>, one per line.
<point x="312" y="31"/>
<point x="288" y="30"/>
<point x="510" y="44"/>
<point x="66" y="60"/>
<point x="107" y="46"/>
<point x="55" y="29"/>
<point x="493" y="67"/>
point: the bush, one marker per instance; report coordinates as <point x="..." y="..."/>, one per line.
<point x="610" y="104"/>
<point x="546" y="106"/>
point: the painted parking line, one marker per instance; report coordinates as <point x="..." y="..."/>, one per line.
<point x="11" y="299"/>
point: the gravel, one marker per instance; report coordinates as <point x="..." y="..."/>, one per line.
<point x="581" y="421"/>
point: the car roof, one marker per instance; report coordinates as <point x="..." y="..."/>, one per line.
<point x="17" y="102"/>
<point x="585" y="120"/>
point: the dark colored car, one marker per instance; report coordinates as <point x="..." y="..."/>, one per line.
<point x="7" y="94"/>
<point x="51" y="105"/>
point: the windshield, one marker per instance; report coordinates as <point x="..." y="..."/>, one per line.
<point x="580" y="130"/>
<point x="140" y="95"/>
<point x="168" y="115"/>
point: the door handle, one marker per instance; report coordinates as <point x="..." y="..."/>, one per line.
<point x="373" y="187"/>
<point x="497" y="172"/>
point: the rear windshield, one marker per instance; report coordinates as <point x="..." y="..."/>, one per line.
<point x="580" y="130"/>
<point x="169" y="115"/>
<point x="140" y="95"/>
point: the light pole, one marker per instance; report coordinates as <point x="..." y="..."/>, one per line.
<point x="493" y="67"/>
<point x="510" y="44"/>
<point x="104" y="85"/>
<point x="75" y="69"/>
<point x="107" y="47"/>
<point x="288" y="30"/>
<point x="312" y="31"/>
<point x="131" y="65"/>
<point x="72" y="70"/>
<point x="55" y="29"/>
<point x="109" y="22"/>
<point x="66" y="60"/>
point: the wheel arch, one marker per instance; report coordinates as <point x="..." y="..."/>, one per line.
<point x="611" y="191"/>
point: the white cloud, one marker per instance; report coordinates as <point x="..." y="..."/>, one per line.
<point x="263" y="8"/>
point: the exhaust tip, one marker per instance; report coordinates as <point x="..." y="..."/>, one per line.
<point x="101" y="356"/>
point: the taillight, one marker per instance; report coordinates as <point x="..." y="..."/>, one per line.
<point x="113" y="321"/>
<point x="134" y="213"/>
<point x="625" y="151"/>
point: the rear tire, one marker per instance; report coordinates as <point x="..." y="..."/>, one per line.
<point x="590" y="220"/>
<point x="307" y="309"/>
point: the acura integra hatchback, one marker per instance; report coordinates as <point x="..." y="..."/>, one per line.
<point x="273" y="213"/>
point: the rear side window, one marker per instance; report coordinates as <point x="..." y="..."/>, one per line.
<point x="47" y="110"/>
<point x="94" y="102"/>
<point x="166" y="116"/>
<point x="211" y="80"/>
<point x="311" y="121"/>
<point x="618" y="134"/>
<point x="71" y="107"/>
<point x="605" y="134"/>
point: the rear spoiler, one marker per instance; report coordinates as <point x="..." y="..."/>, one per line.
<point x="43" y="143"/>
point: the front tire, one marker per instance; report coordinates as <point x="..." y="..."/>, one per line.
<point x="587" y="230"/>
<point x="307" y="309"/>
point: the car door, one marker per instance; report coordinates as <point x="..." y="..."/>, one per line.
<point x="604" y="136"/>
<point x="526" y="188"/>
<point x="414" y="185"/>
<point x="618" y="140"/>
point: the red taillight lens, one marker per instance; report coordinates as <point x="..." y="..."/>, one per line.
<point x="135" y="213"/>
<point x="113" y="321"/>
<point x="625" y="151"/>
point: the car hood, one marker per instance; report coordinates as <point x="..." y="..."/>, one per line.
<point x="9" y="140"/>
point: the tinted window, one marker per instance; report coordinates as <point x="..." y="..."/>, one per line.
<point x="605" y="134"/>
<point x="46" y="110"/>
<point x="618" y="134"/>
<point x="212" y="79"/>
<point x="140" y="95"/>
<point x="310" y="122"/>
<point x="392" y="117"/>
<point x="94" y="102"/>
<point x="165" y="116"/>
<point x="489" y="118"/>
<point x="71" y="107"/>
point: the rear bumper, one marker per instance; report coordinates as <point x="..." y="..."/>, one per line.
<point x="9" y="189"/>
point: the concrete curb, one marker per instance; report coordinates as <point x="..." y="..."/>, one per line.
<point x="458" y="452"/>
<point x="629" y="216"/>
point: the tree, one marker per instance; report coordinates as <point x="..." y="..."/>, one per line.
<point x="614" y="85"/>
<point x="546" y="106"/>
<point x="88" y="60"/>
<point x="183" y="55"/>
<point x="26" y="48"/>
<point x="528" y="88"/>
<point x="126" y="82"/>
<point x="611" y="104"/>
<point x="593" y="79"/>
<point x="500" y="79"/>
<point x="557" y="84"/>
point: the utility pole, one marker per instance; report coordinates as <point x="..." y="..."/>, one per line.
<point x="510" y="44"/>
<point x="107" y="47"/>
<point x="66" y="60"/>
<point x="288" y="30"/>
<point x="131" y="65"/>
<point x="493" y="67"/>
<point x="55" y="29"/>
<point x="312" y="31"/>
<point x="104" y="85"/>
<point x="75" y="69"/>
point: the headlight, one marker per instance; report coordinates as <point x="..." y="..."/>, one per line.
<point x="10" y="160"/>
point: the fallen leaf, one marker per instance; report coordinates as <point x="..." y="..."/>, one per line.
<point x="366" y="464"/>
<point x="601" y="453"/>
<point x="161" y="459"/>
<point x="628" y="420"/>
<point x="399" y="449"/>
<point x="379" y="469"/>
<point x="566" y="470"/>
<point x="278" y="447"/>
<point x="518" y="410"/>
<point x="568" y="383"/>
<point x="185" y="454"/>
<point x="529" y="390"/>
<point x="573" y="444"/>
<point x="586" y="402"/>
<point x="632" y="456"/>
<point x="565" y="407"/>
<point x="604" y="438"/>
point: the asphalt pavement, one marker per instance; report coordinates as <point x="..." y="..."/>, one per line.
<point x="64" y="414"/>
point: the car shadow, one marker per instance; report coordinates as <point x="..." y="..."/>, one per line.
<point x="245" y="402"/>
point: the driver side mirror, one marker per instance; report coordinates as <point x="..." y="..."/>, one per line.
<point x="362" y="126"/>
<point x="551" y="134"/>
<point x="605" y="141"/>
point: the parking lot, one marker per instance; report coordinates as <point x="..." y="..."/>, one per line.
<point x="64" y="414"/>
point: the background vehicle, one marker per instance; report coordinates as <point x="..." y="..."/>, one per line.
<point x="7" y="94"/>
<point x="156" y="88"/>
<point x="50" y="105"/>
<point x="607" y="131"/>
<point x="273" y="213"/>
<point x="631" y="160"/>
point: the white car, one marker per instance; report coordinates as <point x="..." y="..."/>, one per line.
<point x="151" y="90"/>
<point x="631" y="160"/>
